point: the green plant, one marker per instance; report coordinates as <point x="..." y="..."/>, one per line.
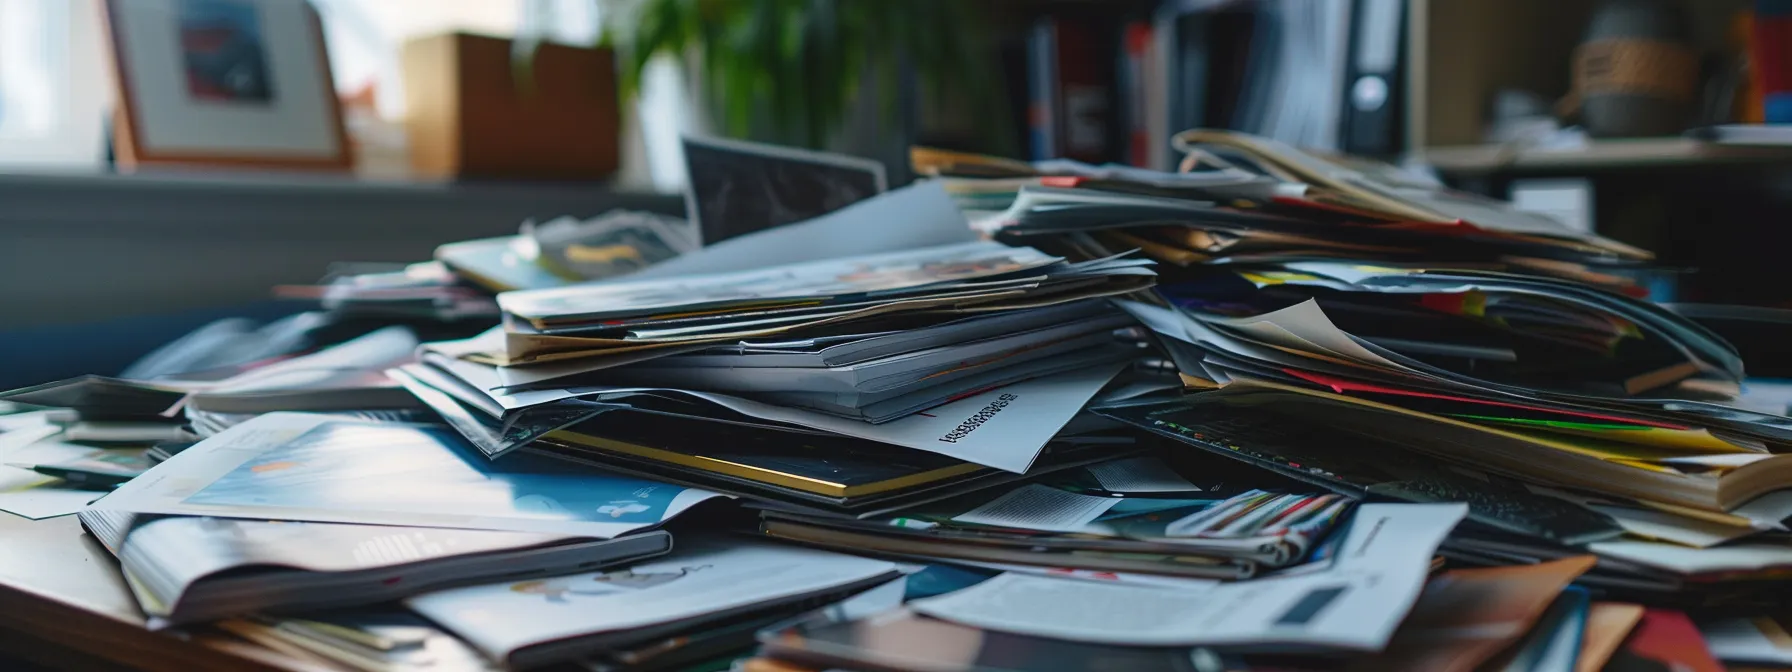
<point x="791" y="69"/>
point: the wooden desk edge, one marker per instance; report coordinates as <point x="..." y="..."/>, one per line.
<point x="45" y="617"/>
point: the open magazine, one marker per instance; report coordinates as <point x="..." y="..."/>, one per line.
<point x="193" y="569"/>
<point x="318" y="468"/>
<point x="528" y="623"/>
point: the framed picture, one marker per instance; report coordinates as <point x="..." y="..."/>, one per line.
<point x="233" y="82"/>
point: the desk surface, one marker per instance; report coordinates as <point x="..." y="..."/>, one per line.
<point x="60" y="588"/>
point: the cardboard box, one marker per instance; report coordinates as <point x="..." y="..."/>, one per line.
<point x="467" y="116"/>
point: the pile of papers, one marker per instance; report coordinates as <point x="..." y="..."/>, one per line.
<point x="810" y="383"/>
<point x="1275" y="411"/>
<point x="1477" y="353"/>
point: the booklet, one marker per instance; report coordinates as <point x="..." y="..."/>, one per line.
<point x="1005" y="427"/>
<point x="897" y="371"/>
<point x="192" y="569"/>
<point x="852" y="276"/>
<point x="384" y="639"/>
<point x="847" y="350"/>
<point x="542" y="621"/>
<point x="577" y="337"/>
<point x="1036" y="520"/>
<point x="896" y="403"/>
<point x="1354" y="605"/>
<point x="318" y="468"/>
<point x="344" y="376"/>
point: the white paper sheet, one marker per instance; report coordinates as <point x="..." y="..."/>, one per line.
<point x="1356" y="604"/>
<point x="919" y="215"/>
<point x="1165" y="321"/>
<point x="1720" y="461"/>
<point x="1304" y="326"/>
<point x="1769" y="511"/>
<point x="33" y="495"/>
<point x="1126" y="578"/>
<point x="1040" y="507"/>
<point x="696" y="579"/>
<point x="18" y="439"/>
<point x="1742" y="640"/>
<point x="1138" y="475"/>
<point x="1685" y="560"/>
<point x="871" y="602"/>
<point x="1662" y="525"/>
<point x="1181" y="327"/>
<point x="1666" y="526"/>
<point x="27" y="420"/>
<point x="379" y="349"/>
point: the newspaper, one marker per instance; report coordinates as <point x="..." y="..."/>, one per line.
<point x="200" y="568"/>
<point x="1039" y="507"/>
<point x="1356" y="604"/>
<point x="1140" y="475"/>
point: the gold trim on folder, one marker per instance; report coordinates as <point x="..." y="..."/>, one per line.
<point x="761" y="474"/>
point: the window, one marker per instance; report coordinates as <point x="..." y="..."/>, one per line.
<point x="54" y="89"/>
<point x="56" y="84"/>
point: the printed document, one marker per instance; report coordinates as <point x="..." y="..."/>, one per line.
<point x="1040" y="507"/>
<point x="1139" y="475"/>
<point x="698" y="579"/>
<point x="1356" y="604"/>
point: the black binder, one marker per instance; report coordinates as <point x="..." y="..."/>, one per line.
<point x="1374" y="81"/>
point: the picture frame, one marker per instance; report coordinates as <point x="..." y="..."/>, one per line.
<point x="242" y="83"/>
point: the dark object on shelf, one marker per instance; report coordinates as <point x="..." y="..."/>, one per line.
<point x="1375" y="92"/>
<point x="1070" y="91"/>
<point x="1636" y="73"/>
<point x="1754" y="135"/>
<point x="1517" y="115"/>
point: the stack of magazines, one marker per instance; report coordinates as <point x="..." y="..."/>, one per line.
<point x="1045" y="526"/>
<point x="1335" y="308"/>
<point x="975" y="354"/>
<point x="1277" y="411"/>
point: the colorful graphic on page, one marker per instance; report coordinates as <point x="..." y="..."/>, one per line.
<point x="428" y="470"/>
<point x="225" y="57"/>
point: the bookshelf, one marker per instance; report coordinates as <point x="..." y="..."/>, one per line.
<point x="1461" y="52"/>
<point x="1595" y="155"/>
